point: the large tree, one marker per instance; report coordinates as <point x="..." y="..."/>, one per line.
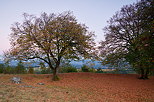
<point x="129" y="37"/>
<point x="51" y="38"/>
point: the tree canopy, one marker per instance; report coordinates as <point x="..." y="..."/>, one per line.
<point x="51" y="38"/>
<point x="129" y="37"/>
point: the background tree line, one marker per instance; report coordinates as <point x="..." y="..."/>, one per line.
<point x="41" y="68"/>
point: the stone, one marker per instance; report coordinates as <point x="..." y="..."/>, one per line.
<point x="27" y="86"/>
<point x="40" y="83"/>
<point x="16" y="80"/>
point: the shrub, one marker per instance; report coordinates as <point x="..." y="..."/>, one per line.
<point x="152" y="73"/>
<point x="20" y="69"/>
<point x="92" y="70"/>
<point x="67" y="69"/>
<point x="85" y="68"/>
<point x="2" y="68"/>
<point x="9" y="70"/>
<point x="45" y="70"/>
<point x="30" y="70"/>
<point x="99" y="70"/>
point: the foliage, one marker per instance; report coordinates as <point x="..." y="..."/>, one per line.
<point x="31" y="70"/>
<point x="67" y="69"/>
<point x="92" y="70"/>
<point x="55" y="78"/>
<point x="117" y="71"/>
<point x="20" y="69"/>
<point x="88" y="67"/>
<point x="51" y="38"/>
<point x="152" y="73"/>
<point x="85" y="68"/>
<point x="129" y="37"/>
<point x="9" y="70"/>
<point x="44" y="69"/>
<point x="2" y="66"/>
<point x="99" y="70"/>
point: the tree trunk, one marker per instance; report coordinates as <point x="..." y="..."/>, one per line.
<point x="146" y="74"/>
<point x="142" y="74"/>
<point x="55" y="76"/>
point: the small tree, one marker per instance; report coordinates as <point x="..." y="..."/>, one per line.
<point x="51" y="38"/>
<point x="2" y="66"/>
<point x="30" y="70"/>
<point x="7" y="68"/>
<point x="20" y="69"/>
<point x="67" y="68"/>
<point x="85" y="68"/>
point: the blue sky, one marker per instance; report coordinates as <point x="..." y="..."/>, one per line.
<point x="93" y="13"/>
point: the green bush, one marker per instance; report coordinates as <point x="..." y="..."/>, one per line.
<point x="99" y="70"/>
<point x="2" y="68"/>
<point x="92" y="70"/>
<point x="46" y="71"/>
<point x="152" y="73"/>
<point x="85" y="68"/>
<point x="9" y="70"/>
<point x="67" y="69"/>
<point x="31" y="70"/>
<point x="20" y="69"/>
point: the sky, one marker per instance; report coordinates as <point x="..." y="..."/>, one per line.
<point x="93" y="13"/>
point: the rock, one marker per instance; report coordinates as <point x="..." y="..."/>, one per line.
<point x="27" y="86"/>
<point x="16" y="80"/>
<point x="40" y="83"/>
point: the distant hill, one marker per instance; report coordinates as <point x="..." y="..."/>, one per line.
<point x="77" y="64"/>
<point x="1" y="62"/>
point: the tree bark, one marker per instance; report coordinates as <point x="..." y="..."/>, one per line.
<point x="146" y="74"/>
<point x="55" y="76"/>
<point x="142" y="74"/>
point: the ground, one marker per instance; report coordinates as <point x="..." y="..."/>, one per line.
<point x="77" y="87"/>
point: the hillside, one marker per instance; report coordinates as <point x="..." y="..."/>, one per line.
<point x="77" y="87"/>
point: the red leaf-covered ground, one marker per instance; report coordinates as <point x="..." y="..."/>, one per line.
<point x="78" y="87"/>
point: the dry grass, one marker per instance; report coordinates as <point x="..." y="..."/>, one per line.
<point x="77" y="87"/>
